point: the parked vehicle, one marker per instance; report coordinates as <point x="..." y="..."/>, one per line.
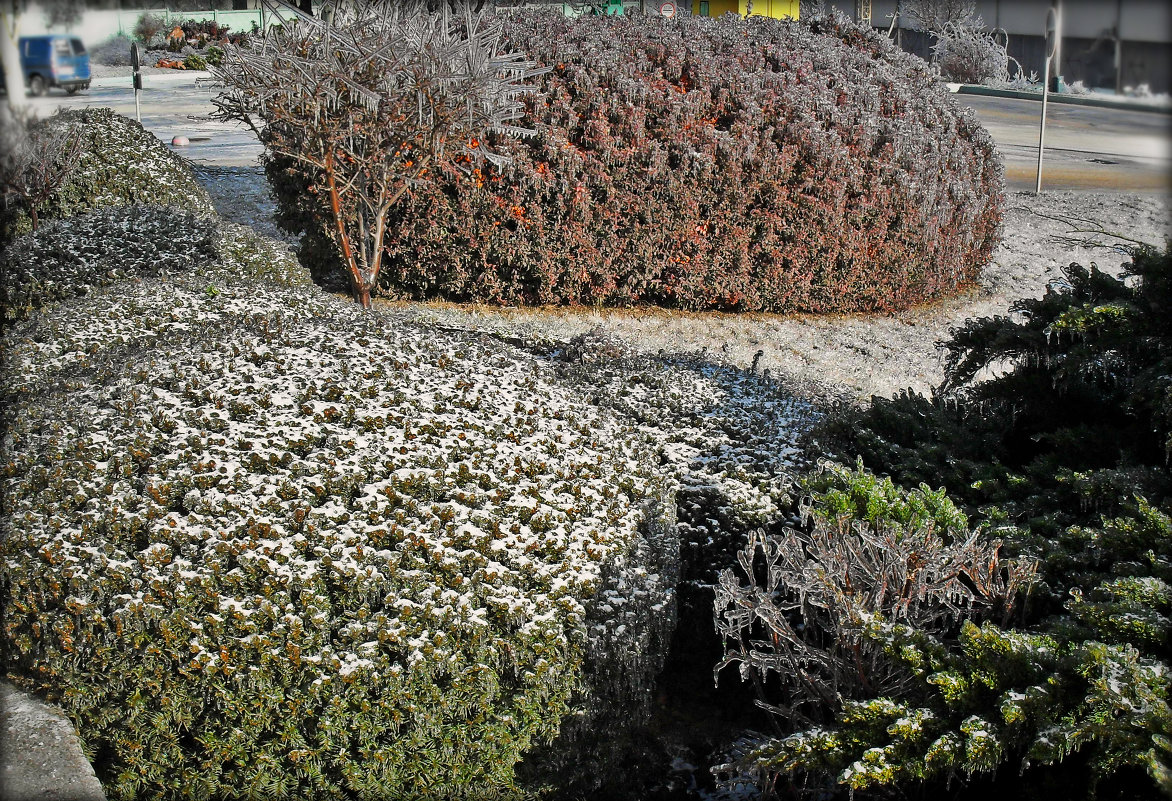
<point x="53" y="61"/>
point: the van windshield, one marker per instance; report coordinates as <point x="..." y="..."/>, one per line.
<point x="78" y="47"/>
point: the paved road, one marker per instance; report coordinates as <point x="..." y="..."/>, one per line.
<point x="1087" y="148"/>
<point x="171" y="105"/>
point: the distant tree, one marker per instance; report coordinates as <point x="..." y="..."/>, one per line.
<point x="367" y="103"/>
<point x="57" y="12"/>
<point x="148" y="27"/>
<point x="934" y="16"/>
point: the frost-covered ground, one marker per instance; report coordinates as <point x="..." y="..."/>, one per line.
<point x="854" y="357"/>
<point x="850" y="357"/>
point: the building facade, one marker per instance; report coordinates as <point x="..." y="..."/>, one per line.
<point x="1109" y="44"/>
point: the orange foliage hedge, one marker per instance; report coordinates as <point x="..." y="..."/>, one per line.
<point x="708" y="164"/>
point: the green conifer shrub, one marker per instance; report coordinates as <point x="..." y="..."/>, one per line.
<point x="703" y="164"/>
<point x="1076" y="423"/>
<point x="1064" y="456"/>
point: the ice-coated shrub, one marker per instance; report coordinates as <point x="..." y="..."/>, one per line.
<point x="728" y="437"/>
<point x="815" y="622"/>
<point x="148" y="27"/>
<point x="257" y="542"/>
<point x="1063" y="453"/>
<point x="72" y="256"/>
<point x="965" y="51"/>
<point x="706" y="164"/>
<point x="120" y="164"/>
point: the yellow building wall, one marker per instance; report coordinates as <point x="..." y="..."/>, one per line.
<point x="778" y="9"/>
<point x="718" y="7"/>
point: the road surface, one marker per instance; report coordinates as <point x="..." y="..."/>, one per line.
<point x="1088" y="148"/>
<point x="172" y="104"/>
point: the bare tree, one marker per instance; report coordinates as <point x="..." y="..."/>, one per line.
<point x="934" y="15"/>
<point x="368" y="101"/>
<point x="35" y="159"/>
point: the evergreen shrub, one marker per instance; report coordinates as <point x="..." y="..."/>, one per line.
<point x="73" y="256"/>
<point x="121" y="163"/>
<point x="704" y="164"/>
<point x="1064" y="457"/>
<point x="259" y="543"/>
<point x="1078" y="421"/>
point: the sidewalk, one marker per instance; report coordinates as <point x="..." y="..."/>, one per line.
<point x="1098" y="99"/>
<point x="150" y="77"/>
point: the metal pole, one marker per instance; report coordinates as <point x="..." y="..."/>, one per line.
<point x="136" y="78"/>
<point x="1118" y="47"/>
<point x="1042" y="127"/>
<point x="1051" y="47"/>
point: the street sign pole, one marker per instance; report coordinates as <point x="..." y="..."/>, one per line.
<point x="1051" y="45"/>
<point x="136" y="62"/>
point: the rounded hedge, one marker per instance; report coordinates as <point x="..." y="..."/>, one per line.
<point x="72" y="256"/>
<point x="705" y="164"/>
<point x="258" y="543"/>
<point x="120" y="164"/>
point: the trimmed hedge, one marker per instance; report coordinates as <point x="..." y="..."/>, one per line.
<point x="73" y="256"/>
<point x="705" y="164"/>
<point x="259" y="543"/>
<point x="121" y="164"/>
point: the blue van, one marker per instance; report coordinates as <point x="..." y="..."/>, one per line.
<point x="53" y="60"/>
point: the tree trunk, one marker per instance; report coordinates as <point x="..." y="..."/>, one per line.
<point x="362" y="296"/>
<point x="10" y="58"/>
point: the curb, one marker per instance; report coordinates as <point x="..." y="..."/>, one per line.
<point x="126" y="81"/>
<point x="1058" y="97"/>
<point x="40" y="753"/>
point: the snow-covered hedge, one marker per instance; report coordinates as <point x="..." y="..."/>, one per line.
<point x="72" y="256"/>
<point x="121" y="163"/>
<point x="258" y="541"/>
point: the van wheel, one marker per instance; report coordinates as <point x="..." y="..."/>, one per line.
<point x="37" y="86"/>
<point x="72" y="90"/>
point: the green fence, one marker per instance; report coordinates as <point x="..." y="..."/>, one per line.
<point x="235" y="21"/>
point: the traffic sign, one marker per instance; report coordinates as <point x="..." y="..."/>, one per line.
<point x="667" y="9"/>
